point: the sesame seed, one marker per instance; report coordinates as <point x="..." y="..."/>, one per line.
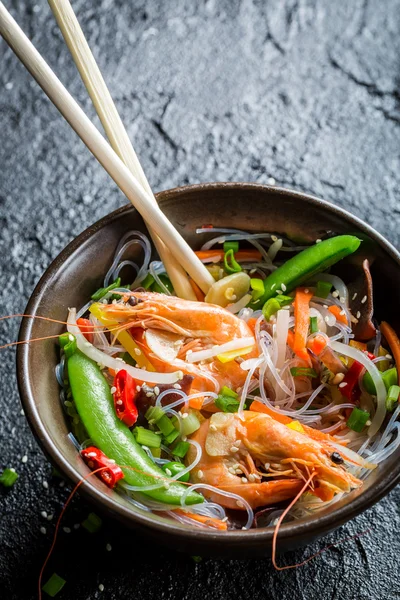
<point x="200" y="474"/>
<point x="61" y="484"/>
<point x="354" y="296"/>
<point x="138" y="388"/>
<point x="224" y="520"/>
<point x="364" y="300"/>
<point x="238" y="471"/>
<point x="113" y="389"/>
<point x="279" y="292"/>
<point x="342" y="299"/>
<point x="49" y="517"/>
<point x="326" y="319"/>
<point x="101" y="587"/>
<point x="335" y="294"/>
<point x="388" y="356"/>
<point x="325" y="305"/>
<point x="176" y="386"/>
<point x="71" y="337"/>
<point x="24" y="459"/>
<point x="266" y="466"/>
<point x="234" y="449"/>
<point x="119" y="402"/>
<point x="76" y="526"/>
<point x="232" y="470"/>
<point x="144" y="368"/>
<point x="252" y="271"/>
<point x="358" y="315"/>
<point x="185" y="415"/>
<point x="306" y="291"/>
<point x="156" y="390"/>
<point x="46" y="485"/>
<point x="368" y="423"/>
<point x="343" y="384"/>
<point x="137" y="352"/>
<point x="67" y="529"/>
<point x="91" y="454"/>
<point x="108" y="547"/>
<point x="43" y="530"/>
<point x="149" y="394"/>
<point x="283" y="286"/>
<point x="12" y="469"/>
<point x="342" y="312"/>
<point x="251" y="477"/>
<point x="168" y="472"/>
<point x="184" y="438"/>
<point x="318" y="241"/>
<point x="338" y="378"/>
<point x="44" y="514"/>
<point x="239" y="504"/>
<point x="213" y="427"/>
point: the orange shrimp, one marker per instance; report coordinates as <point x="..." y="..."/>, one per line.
<point x="233" y="446"/>
<point x="166" y="327"/>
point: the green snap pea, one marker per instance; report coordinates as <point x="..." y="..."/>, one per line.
<point x="303" y="266"/>
<point x="95" y="407"/>
<point x="174" y="468"/>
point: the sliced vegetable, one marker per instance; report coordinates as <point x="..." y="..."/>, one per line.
<point x="338" y="313"/>
<point x="124" y="397"/>
<point x="230" y="264"/>
<point x="307" y="263"/>
<point x="8" y="477"/>
<point x="228" y="289"/>
<point x="349" y="386"/>
<point x="173" y="468"/>
<point x="166" y="281"/>
<point x="296" y="426"/>
<point x="110" y="474"/>
<point x="86" y="326"/>
<point x="394" y="344"/>
<point x="145" y="437"/>
<point x="68" y="343"/>
<point x="272" y="305"/>
<point x="392" y="397"/>
<point x="323" y="289"/>
<point x="53" y="585"/>
<point x="147" y="282"/>
<point x="301" y="321"/>
<point x="95" y="407"/>
<point x="257" y="286"/>
<point x="303" y="372"/>
<point x="358" y="419"/>
<point x="232" y="245"/>
<point x="103" y="291"/>
<point x="190" y="424"/>
<point x="313" y="324"/>
<point x="92" y="523"/>
<point x="389" y="378"/>
<point x="181" y="449"/>
<point x="225" y="391"/>
<point x="171" y="437"/>
<point x="227" y="404"/>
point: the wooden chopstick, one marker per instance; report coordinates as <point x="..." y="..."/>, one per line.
<point x="114" y="128"/>
<point x="100" y="148"/>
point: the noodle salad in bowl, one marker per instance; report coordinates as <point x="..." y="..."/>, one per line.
<point x="267" y="399"/>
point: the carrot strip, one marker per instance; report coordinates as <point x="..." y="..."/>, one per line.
<point x="210" y="521"/>
<point x="197" y="291"/>
<point x="394" y="344"/>
<point x="196" y="403"/>
<point x="317" y="344"/>
<point x="314" y="434"/>
<point x="301" y="322"/>
<point x="241" y="255"/>
<point x="337" y="311"/>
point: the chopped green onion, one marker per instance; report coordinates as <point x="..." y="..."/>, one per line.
<point x="147" y="282"/>
<point x="165" y="425"/>
<point x="323" y="289"/>
<point x="174" y="468"/>
<point x="171" y="437"/>
<point x="257" y="285"/>
<point x="358" y="419"/>
<point x="227" y="404"/>
<point x="8" y="477"/>
<point x="197" y="559"/>
<point x="145" y="437"/>
<point x="181" y="449"/>
<point x="234" y="246"/>
<point x="389" y="378"/>
<point x="156" y="452"/>
<point x="54" y="585"/>
<point x="303" y="372"/>
<point x="166" y="281"/>
<point x="153" y="413"/>
<point x="313" y="324"/>
<point x="272" y="305"/>
<point x="93" y="523"/>
<point x="68" y="343"/>
<point x="230" y="264"/>
<point x="225" y="391"/>
<point x="103" y="291"/>
<point x="190" y="424"/>
<point x="392" y="397"/>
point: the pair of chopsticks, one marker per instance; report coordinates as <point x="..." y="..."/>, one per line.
<point x="119" y="159"/>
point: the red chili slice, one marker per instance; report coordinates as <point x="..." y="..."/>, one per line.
<point x="86" y="327"/>
<point x="124" y="397"/>
<point x="352" y="390"/>
<point x="96" y="459"/>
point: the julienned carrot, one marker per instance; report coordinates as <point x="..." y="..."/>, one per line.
<point x="314" y="434"/>
<point x="339" y="314"/>
<point x="198" y="292"/>
<point x="301" y="322"/>
<point x="210" y="521"/>
<point x="240" y="256"/>
<point x="196" y="403"/>
<point x="394" y="344"/>
<point x="317" y="344"/>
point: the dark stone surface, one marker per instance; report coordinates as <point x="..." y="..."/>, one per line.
<point x="303" y="91"/>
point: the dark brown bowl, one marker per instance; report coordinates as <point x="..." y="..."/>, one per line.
<point x="240" y="205"/>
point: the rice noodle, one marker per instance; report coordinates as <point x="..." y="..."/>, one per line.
<point x="281" y="331"/>
<point x="153" y="268"/>
<point x="239" y="305"/>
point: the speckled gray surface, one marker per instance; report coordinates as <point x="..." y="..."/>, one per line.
<point x="303" y="91"/>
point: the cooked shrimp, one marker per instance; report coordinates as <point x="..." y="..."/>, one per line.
<point x="232" y="447"/>
<point x="166" y="328"/>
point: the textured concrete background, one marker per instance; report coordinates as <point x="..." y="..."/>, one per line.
<point x="303" y="91"/>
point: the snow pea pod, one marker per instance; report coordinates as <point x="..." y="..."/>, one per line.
<point x="300" y="268"/>
<point x="95" y="407"/>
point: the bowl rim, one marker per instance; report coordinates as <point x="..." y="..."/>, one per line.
<point x="314" y="526"/>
